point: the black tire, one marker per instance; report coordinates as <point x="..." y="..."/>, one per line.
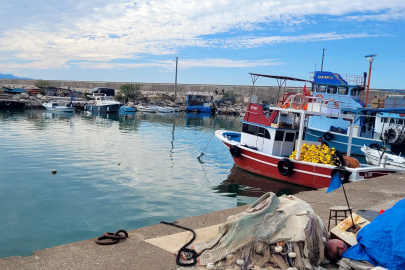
<point x="343" y="173"/>
<point x="282" y="170"/>
<point x="375" y="146"/>
<point x="235" y="151"/>
<point x="327" y="136"/>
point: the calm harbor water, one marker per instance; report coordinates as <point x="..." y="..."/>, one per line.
<point x="159" y="176"/>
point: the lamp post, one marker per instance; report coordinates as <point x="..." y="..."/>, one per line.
<point x="175" y="81"/>
<point x="370" y="59"/>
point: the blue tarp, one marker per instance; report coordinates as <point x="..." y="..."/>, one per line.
<point x="382" y="242"/>
<point x="199" y="108"/>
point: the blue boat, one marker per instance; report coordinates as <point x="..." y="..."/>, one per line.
<point x="13" y="90"/>
<point x="124" y="109"/>
<point x="347" y="93"/>
<point x="200" y="103"/>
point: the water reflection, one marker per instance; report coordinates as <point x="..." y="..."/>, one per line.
<point x="247" y="187"/>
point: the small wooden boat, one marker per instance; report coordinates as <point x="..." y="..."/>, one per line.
<point x="127" y="109"/>
<point x="13" y="91"/>
<point x="165" y="110"/>
<point x="150" y="109"/>
<point x="56" y="106"/>
<point x="373" y="157"/>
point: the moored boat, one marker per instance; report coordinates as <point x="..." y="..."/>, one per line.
<point x="270" y="135"/>
<point x="13" y="90"/>
<point x="56" y="106"/>
<point x="103" y="104"/>
<point x="150" y="109"/>
<point x="377" y="157"/>
<point x="127" y="109"/>
<point x="166" y="110"/>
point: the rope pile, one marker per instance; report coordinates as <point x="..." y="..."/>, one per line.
<point x="112" y="238"/>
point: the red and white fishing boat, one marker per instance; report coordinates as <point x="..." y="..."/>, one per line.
<point x="270" y="134"/>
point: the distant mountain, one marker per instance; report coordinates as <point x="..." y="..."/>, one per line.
<point x="11" y="76"/>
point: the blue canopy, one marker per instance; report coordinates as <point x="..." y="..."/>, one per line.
<point x="382" y="242"/>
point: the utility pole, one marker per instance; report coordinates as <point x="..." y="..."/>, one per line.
<point x="370" y="59"/>
<point x="323" y="55"/>
<point x="175" y="81"/>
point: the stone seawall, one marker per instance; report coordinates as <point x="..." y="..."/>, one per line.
<point x="267" y="93"/>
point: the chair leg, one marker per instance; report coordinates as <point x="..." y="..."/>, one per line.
<point x="329" y="220"/>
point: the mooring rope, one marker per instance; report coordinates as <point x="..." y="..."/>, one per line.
<point x="202" y="153"/>
<point x="188" y="253"/>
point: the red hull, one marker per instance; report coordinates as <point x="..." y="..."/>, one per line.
<point x="303" y="174"/>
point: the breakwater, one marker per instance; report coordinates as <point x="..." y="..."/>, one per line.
<point x="264" y="93"/>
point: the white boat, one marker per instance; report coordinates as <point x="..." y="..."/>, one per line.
<point x="166" y="110"/>
<point x="103" y="103"/>
<point x="150" y="109"/>
<point x="373" y="157"/>
<point x="56" y="106"/>
<point x="94" y="95"/>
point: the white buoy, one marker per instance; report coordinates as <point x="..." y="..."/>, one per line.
<point x="210" y="266"/>
<point x="240" y="262"/>
<point x="292" y="254"/>
<point x="278" y="248"/>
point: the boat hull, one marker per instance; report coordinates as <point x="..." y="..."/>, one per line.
<point x="104" y="108"/>
<point x="304" y="173"/>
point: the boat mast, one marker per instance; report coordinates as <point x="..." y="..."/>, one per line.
<point x="323" y="55"/>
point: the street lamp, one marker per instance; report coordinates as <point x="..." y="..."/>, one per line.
<point x="370" y="59"/>
<point x="175" y="82"/>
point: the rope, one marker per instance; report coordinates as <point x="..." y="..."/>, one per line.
<point x="188" y="253"/>
<point x="202" y="153"/>
<point x="114" y="238"/>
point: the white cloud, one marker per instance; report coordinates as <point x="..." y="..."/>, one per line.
<point x="390" y="16"/>
<point x="183" y="64"/>
<point x="102" y="31"/>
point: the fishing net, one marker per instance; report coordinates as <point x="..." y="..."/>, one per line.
<point x="253" y="235"/>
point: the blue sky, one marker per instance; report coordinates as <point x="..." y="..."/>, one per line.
<point x="217" y="42"/>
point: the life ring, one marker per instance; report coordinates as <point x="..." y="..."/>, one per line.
<point x="8" y="103"/>
<point x="375" y="146"/>
<point x="343" y="173"/>
<point x="327" y="136"/>
<point x="318" y="98"/>
<point x="305" y="102"/>
<point x="334" y="102"/>
<point x="282" y="170"/>
<point x="235" y="151"/>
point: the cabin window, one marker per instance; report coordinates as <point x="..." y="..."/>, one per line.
<point x="343" y="90"/>
<point x="355" y="91"/>
<point x="279" y="135"/>
<point x="289" y="137"/>
<point x="332" y="89"/>
<point x="264" y="133"/>
<point x="400" y="121"/>
<point x="392" y="121"/>
<point x="321" y="89"/>
<point x="249" y="129"/>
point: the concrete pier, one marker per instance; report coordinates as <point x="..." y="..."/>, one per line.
<point x="134" y="253"/>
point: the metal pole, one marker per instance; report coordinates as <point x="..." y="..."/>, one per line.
<point x="175" y="82"/>
<point x="368" y="84"/>
<point x="300" y="135"/>
<point x="323" y="55"/>
<point x="347" y="201"/>
<point x="349" y="142"/>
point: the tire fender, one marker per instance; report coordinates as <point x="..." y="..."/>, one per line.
<point x="343" y="173"/>
<point x="327" y="136"/>
<point x="282" y="170"/>
<point x="235" y="151"/>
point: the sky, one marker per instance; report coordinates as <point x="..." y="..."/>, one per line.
<point x="216" y="42"/>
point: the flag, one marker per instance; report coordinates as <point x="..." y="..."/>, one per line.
<point x="335" y="182"/>
<point x="305" y="90"/>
